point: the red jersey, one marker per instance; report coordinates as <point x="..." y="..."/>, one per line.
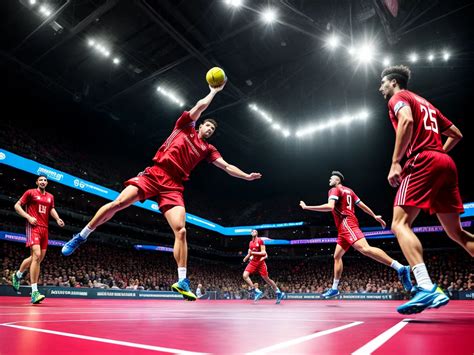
<point x="255" y="246"/>
<point x="38" y="205"/>
<point x="183" y="149"/>
<point x="428" y="121"/>
<point x="345" y="199"/>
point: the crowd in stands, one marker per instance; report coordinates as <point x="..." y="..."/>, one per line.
<point x="103" y="266"/>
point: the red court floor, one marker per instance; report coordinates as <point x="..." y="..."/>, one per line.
<point x="76" y="326"/>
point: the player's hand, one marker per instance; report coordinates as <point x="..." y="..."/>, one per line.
<point x="303" y="205"/>
<point x="253" y="176"/>
<point x="394" y="176"/>
<point x="380" y="220"/>
<point x="32" y="220"/>
<point x="216" y="89"/>
<point x="60" y="222"/>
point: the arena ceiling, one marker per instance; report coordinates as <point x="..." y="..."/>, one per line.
<point x="286" y="68"/>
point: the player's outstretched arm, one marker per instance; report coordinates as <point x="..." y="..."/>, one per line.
<point x="371" y="213"/>
<point x="327" y="207"/>
<point x="204" y="103"/>
<point x="234" y="171"/>
<point x="454" y="136"/>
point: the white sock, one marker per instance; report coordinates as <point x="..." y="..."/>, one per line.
<point x="396" y="265"/>
<point x="181" y="273"/>
<point x="19" y="274"/>
<point x="86" y="231"/>
<point x="422" y="278"/>
<point x="34" y="287"/>
<point x="257" y="289"/>
<point x="277" y="290"/>
<point x="335" y="284"/>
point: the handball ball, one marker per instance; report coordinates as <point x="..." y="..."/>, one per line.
<point x="215" y="77"/>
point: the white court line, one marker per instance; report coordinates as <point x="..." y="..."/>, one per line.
<point x="377" y="342"/>
<point x="109" y="341"/>
<point x="302" y="339"/>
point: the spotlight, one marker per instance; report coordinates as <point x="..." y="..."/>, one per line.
<point x="430" y="57"/>
<point x="116" y="61"/>
<point x="413" y="57"/>
<point x="234" y="3"/>
<point x="91" y="43"/>
<point x="333" y="41"/>
<point x="269" y="16"/>
<point x="386" y="61"/>
<point x="446" y="56"/>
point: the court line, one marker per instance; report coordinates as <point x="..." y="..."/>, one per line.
<point x="300" y="340"/>
<point x="108" y="341"/>
<point x="381" y="339"/>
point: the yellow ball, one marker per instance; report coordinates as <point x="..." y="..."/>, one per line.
<point x="215" y="77"/>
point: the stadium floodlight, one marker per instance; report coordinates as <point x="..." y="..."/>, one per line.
<point x="366" y="53"/>
<point x="91" y="43"/>
<point x="116" y="61"/>
<point x="430" y="57"/>
<point x="269" y="15"/>
<point x="234" y="3"/>
<point x="351" y="50"/>
<point x="170" y="95"/>
<point x="32" y="2"/>
<point x="331" y="123"/>
<point x="446" y="56"/>
<point x="386" y="61"/>
<point x="413" y="57"/>
<point x="333" y="41"/>
<point x="286" y="132"/>
<point x="45" y="11"/>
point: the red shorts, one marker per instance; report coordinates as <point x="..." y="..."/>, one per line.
<point x="36" y="235"/>
<point x="348" y="234"/>
<point x="430" y="182"/>
<point x="260" y="267"/>
<point x="156" y="183"/>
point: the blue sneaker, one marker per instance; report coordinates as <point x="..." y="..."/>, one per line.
<point x="331" y="293"/>
<point x="183" y="288"/>
<point x="73" y="244"/>
<point x="405" y="278"/>
<point x="258" y="295"/>
<point x="279" y="296"/>
<point x="423" y="299"/>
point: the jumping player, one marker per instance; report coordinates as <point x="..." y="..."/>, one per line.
<point x="172" y="164"/>
<point x="341" y="203"/>
<point x="39" y="205"/>
<point x="428" y="180"/>
<point x="257" y="255"/>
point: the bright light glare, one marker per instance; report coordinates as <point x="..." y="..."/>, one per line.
<point x="234" y="3"/>
<point x="386" y="61"/>
<point x="446" y="56"/>
<point x="430" y="57"/>
<point x="269" y="15"/>
<point x="32" y="2"/>
<point x="170" y="95"/>
<point x="366" y="53"/>
<point x="116" y="61"/>
<point x="333" y="41"/>
<point x="413" y="57"/>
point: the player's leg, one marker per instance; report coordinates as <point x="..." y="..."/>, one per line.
<point x="128" y="196"/>
<point x="452" y="225"/>
<point x="36" y="258"/>
<point x="176" y="217"/>
<point x="278" y="294"/>
<point x="363" y="247"/>
<point x="427" y="295"/>
<point x="338" y="267"/>
<point x="246" y="277"/>
<point x="18" y="275"/>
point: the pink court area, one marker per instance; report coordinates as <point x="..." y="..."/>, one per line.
<point x="76" y="326"/>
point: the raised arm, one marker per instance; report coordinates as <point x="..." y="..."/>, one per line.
<point x="234" y="171"/>
<point x="204" y="103"/>
<point x="454" y="136"/>
<point x="371" y="213"/>
<point x="327" y="207"/>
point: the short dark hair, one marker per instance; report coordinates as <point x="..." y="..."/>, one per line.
<point x="338" y="174"/>
<point x="211" y="121"/>
<point x="400" y="73"/>
<point x="40" y="176"/>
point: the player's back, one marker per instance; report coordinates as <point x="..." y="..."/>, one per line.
<point x="344" y="207"/>
<point x="428" y="121"/>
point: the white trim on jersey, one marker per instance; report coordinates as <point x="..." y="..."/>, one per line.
<point x="402" y="191"/>
<point x="398" y="106"/>
<point x="333" y="197"/>
<point x="357" y="201"/>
